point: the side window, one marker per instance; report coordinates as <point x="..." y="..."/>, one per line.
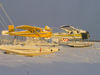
<point x="77" y="31"/>
<point x="38" y="30"/>
<point x="31" y="31"/>
<point x="71" y="33"/>
<point x="34" y="32"/>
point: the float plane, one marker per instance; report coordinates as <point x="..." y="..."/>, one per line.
<point x="70" y="33"/>
<point x="28" y="49"/>
<point x="71" y="36"/>
<point x="30" y="31"/>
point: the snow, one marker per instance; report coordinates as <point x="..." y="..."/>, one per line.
<point x="67" y="61"/>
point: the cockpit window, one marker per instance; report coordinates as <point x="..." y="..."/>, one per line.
<point x="77" y="31"/>
<point x="71" y="33"/>
<point x="38" y="30"/>
<point x="34" y="31"/>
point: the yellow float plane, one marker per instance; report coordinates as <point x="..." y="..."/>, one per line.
<point x="29" y="31"/>
<point x="29" y="47"/>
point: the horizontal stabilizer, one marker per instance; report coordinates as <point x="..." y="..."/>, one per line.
<point x="4" y="32"/>
<point x="47" y="28"/>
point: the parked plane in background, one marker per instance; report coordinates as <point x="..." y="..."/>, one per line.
<point x="74" y="31"/>
<point x="70" y="33"/>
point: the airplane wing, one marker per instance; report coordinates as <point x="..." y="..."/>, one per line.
<point x="27" y="27"/>
<point x="68" y="28"/>
<point x="31" y="31"/>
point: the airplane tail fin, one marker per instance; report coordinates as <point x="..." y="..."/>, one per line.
<point x="11" y="28"/>
<point x="47" y="28"/>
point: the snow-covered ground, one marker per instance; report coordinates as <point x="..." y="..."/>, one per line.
<point x="67" y="61"/>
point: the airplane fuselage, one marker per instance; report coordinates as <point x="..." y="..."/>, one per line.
<point x="31" y="34"/>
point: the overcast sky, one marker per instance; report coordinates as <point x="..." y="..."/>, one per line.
<point x="84" y="14"/>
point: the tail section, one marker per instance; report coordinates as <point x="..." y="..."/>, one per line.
<point x="11" y="28"/>
<point x="4" y="32"/>
<point x="47" y="28"/>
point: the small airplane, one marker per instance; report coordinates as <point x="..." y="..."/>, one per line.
<point x="29" y="31"/>
<point x="71" y="33"/>
<point x="32" y="48"/>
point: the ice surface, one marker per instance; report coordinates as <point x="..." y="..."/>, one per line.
<point x="67" y="61"/>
